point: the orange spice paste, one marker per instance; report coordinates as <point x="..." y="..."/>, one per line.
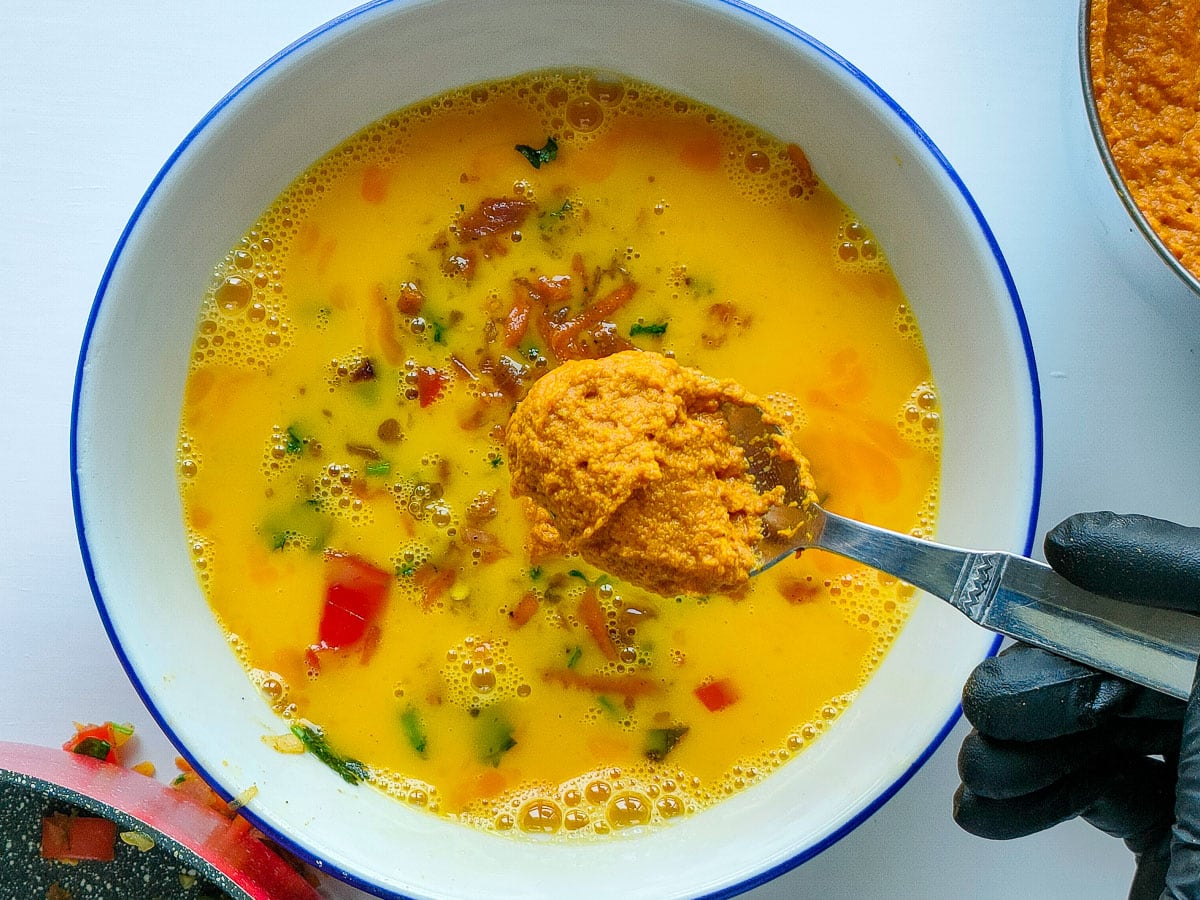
<point x="1145" y="67"/>
<point x="633" y="457"/>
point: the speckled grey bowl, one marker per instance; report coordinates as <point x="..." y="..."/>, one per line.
<point x="192" y="856"/>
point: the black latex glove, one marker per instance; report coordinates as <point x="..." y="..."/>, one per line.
<point x="1054" y="739"/>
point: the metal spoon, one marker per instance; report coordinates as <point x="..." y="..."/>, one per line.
<point x="1003" y="592"/>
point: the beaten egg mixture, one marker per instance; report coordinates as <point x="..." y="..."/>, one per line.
<point x="349" y="496"/>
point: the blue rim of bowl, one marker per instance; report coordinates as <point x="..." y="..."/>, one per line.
<point x="1186" y="275"/>
<point x="792" y="32"/>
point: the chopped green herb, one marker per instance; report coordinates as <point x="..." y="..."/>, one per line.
<point x="406" y="570"/>
<point x="573" y="659"/>
<point x="547" y="219"/>
<point x="495" y="737"/>
<point x="496" y="461"/>
<point x="295" y="443"/>
<point x="652" y="328"/>
<point x="438" y="330"/>
<point x="539" y="157"/>
<point x="95" y="747"/>
<point x="414" y="729"/>
<point x="378" y="468"/>
<point x="535" y="573"/>
<point x="608" y="706"/>
<point x="302" y="522"/>
<point x="179" y="779"/>
<point x="575" y="573"/>
<point x="350" y="770"/>
<point x="661" y="741"/>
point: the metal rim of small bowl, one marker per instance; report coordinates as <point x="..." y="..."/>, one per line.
<point x="1189" y="278"/>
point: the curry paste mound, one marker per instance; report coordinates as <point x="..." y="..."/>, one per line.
<point x="1146" y="82"/>
<point x="634" y="459"/>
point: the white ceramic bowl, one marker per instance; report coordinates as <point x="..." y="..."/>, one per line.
<point x="303" y="102"/>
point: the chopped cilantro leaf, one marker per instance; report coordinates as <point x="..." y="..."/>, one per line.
<point x="539" y="157"/>
<point x="651" y="328"/>
<point x="573" y="659"/>
<point x="546" y="219"/>
<point x="414" y="729"/>
<point x="351" y="770"/>
<point x="661" y="741"/>
<point x="495" y="737"/>
<point x="295" y="443"/>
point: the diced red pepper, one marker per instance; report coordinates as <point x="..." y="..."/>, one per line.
<point x="68" y="837"/>
<point x="430" y="383"/>
<point x="717" y="695"/>
<point x="97" y="741"/>
<point x="355" y="591"/>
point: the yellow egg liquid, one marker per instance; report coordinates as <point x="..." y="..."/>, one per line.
<point x="357" y="356"/>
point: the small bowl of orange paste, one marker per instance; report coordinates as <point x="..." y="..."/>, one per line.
<point x="1141" y="83"/>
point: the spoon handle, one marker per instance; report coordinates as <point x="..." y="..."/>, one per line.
<point x="1029" y="601"/>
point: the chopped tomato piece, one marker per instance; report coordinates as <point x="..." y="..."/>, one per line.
<point x="496" y="215"/>
<point x="191" y="785"/>
<point x="355" y="592"/>
<point x="430" y="382"/>
<point x="410" y="299"/>
<point x="68" y="837"/>
<point x="717" y="695"/>
<point x="517" y="321"/>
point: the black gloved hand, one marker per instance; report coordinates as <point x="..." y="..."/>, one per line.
<point x="1054" y="739"/>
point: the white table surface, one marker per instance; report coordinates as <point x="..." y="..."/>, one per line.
<point x="94" y="97"/>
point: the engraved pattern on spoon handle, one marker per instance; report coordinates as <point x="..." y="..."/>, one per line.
<point x="978" y="583"/>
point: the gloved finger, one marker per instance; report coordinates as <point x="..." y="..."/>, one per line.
<point x="1128" y="557"/>
<point x="1029" y="694"/>
<point x="1151" y="872"/>
<point x="1130" y="804"/>
<point x="1000" y="769"/>
<point x="1137" y="804"/>
<point x="1183" y="877"/>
